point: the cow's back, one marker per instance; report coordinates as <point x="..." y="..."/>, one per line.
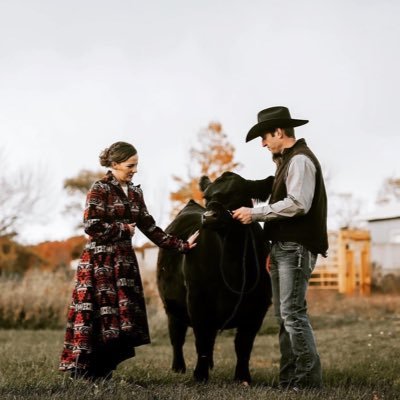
<point x="170" y="273"/>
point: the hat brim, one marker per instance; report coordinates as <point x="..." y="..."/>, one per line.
<point x="260" y="128"/>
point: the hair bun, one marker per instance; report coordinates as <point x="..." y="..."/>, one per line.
<point x="104" y="157"/>
<point x="118" y="152"/>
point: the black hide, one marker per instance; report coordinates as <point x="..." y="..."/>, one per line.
<point x="222" y="283"/>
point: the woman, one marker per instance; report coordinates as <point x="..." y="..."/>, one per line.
<point x="107" y="317"/>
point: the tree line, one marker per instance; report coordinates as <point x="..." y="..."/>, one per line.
<point x="211" y="155"/>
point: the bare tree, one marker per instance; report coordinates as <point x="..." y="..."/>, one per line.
<point x="77" y="188"/>
<point x="389" y="191"/>
<point x="20" y="194"/>
<point x="345" y="209"/>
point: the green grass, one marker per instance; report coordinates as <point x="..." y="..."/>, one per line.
<point x="360" y="356"/>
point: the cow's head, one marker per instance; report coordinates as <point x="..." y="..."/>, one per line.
<point x="229" y="192"/>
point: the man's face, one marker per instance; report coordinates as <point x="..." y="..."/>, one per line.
<point x="272" y="139"/>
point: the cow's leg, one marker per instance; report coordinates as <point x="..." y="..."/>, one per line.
<point x="177" y="333"/>
<point x="205" y="339"/>
<point x="244" y="340"/>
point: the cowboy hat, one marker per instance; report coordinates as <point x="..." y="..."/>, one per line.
<point x="273" y="117"/>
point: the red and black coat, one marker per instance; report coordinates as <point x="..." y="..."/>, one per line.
<point x="108" y="308"/>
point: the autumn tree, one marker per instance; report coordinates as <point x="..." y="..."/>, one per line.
<point x="77" y="188"/>
<point x="59" y="254"/>
<point x="16" y="259"/>
<point x="212" y="156"/>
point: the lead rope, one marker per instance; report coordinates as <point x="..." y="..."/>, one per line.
<point x="228" y="286"/>
<point x="242" y="291"/>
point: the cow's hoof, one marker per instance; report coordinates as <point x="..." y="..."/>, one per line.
<point x="178" y="364"/>
<point x="200" y="373"/>
<point x="199" y="377"/>
<point x="179" y="368"/>
<point x="244" y="379"/>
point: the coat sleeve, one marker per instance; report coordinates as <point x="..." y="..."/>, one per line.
<point x="147" y="225"/>
<point x="95" y="220"/>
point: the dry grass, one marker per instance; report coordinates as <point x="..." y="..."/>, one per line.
<point x="40" y="299"/>
<point x="36" y="300"/>
<point x="331" y="309"/>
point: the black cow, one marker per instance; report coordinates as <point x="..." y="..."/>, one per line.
<point x="222" y="283"/>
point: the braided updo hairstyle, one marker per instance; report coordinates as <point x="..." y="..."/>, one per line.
<point x="118" y="152"/>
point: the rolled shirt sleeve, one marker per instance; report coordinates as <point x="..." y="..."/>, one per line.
<point x="300" y="187"/>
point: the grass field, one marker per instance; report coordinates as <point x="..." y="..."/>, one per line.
<point x="358" y="340"/>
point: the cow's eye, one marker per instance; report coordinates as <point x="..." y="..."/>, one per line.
<point x="221" y="198"/>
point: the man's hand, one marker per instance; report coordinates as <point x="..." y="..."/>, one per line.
<point x="243" y="214"/>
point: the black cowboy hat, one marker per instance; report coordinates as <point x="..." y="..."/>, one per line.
<point x="273" y="117"/>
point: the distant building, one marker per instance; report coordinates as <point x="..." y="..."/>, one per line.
<point x="384" y="225"/>
<point x="147" y="256"/>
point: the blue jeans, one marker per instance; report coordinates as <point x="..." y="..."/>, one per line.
<point x="291" y="268"/>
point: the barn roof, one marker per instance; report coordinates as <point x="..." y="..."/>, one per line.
<point x="385" y="212"/>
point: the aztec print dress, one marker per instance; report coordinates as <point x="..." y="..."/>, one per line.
<point x="107" y="316"/>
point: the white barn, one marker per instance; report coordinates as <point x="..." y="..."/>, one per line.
<point x="384" y="225"/>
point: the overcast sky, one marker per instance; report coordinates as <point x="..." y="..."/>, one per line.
<point x="77" y="76"/>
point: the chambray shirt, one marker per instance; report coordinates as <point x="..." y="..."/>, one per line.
<point x="300" y="186"/>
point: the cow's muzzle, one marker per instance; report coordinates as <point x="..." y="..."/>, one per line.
<point x="209" y="217"/>
<point x="216" y="216"/>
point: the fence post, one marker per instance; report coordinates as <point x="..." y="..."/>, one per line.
<point x="365" y="272"/>
<point x="350" y="272"/>
<point x="342" y="270"/>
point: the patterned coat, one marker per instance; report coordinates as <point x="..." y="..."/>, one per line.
<point x="107" y="316"/>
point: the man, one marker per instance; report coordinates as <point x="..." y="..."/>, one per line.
<point x="295" y="224"/>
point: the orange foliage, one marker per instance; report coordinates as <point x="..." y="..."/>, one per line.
<point x="214" y="156"/>
<point x="59" y="253"/>
<point x="16" y="258"/>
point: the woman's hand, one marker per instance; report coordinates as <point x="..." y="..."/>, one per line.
<point x="132" y="228"/>
<point x="192" y="239"/>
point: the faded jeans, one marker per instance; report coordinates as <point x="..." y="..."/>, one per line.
<point x="291" y="268"/>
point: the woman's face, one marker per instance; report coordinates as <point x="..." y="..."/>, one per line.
<point x="125" y="170"/>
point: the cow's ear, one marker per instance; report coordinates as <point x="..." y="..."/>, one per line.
<point x="204" y="183"/>
<point x="260" y="190"/>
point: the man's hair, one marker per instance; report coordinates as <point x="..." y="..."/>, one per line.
<point x="289" y="132"/>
